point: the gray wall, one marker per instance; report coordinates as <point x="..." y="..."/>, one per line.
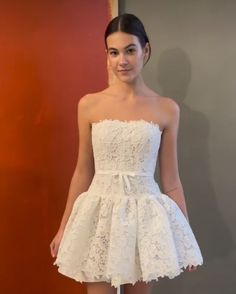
<point x="194" y="62"/>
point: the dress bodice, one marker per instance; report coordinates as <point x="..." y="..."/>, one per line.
<point x="126" y="145"/>
<point x="125" y="149"/>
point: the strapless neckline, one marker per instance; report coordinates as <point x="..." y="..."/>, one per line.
<point x="154" y="124"/>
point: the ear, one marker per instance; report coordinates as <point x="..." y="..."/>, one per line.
<point x="146" y="52"/>
<point x="108" y="63"/>
<point x="146" y="49"/>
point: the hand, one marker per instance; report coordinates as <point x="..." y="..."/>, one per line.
<point x="192" y="268"/>
<point x="54" y="245"/>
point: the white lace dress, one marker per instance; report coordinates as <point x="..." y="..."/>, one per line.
<point x="123" y="228"/>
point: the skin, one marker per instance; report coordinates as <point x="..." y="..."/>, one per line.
<point x="126" y="98"/>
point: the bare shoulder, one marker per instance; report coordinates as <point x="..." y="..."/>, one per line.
<point x="169" y="107"/>
<point x="83" y="105"/>
<point x="169" y="104"/>
<point x="89" y="100"/>
<point x="169" y="111"/>
<point x="88" y="104"/>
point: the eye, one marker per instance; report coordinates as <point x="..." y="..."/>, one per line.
<point x="113" y="53"/>
<point x="131" y="50"/>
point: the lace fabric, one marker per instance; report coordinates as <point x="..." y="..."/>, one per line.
<point x="123" y="228"/>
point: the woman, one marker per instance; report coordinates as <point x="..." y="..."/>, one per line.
<point x="122" y="229"/>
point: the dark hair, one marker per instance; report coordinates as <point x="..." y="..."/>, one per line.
<point x="130" y="24"/>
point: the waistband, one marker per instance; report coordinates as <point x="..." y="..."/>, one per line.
<point x="123" y="175"/>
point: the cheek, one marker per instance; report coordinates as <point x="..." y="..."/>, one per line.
<point x="138" y="62"/>
<point x="112" y="61"/>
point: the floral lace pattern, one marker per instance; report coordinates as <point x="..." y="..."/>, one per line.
<point x="123" y="228"/>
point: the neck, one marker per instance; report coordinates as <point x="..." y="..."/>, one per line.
<point x="131" y="89"/>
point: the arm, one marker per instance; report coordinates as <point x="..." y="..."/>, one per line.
<point x="84" y="170"/>
<point x="169" y="173"/>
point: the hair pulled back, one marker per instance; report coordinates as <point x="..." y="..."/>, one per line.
<point x="130" y="24"/>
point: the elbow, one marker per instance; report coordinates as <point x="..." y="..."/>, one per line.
<point x="85" y="171"/>
<point x="170" y="183"/>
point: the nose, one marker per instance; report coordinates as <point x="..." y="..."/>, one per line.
<point x="122" y="60"/>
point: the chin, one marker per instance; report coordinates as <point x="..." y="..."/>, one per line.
<point x="126" y="79"/>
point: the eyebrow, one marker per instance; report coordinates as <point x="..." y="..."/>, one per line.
<point x="132" y="44"/>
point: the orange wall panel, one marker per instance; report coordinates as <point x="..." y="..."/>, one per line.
<point x="51" y="54"/>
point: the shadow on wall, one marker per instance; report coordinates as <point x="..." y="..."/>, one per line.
<point x="214" y="238"/>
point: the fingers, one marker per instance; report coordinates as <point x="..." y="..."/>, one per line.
<point x="53" y="249"/>
<point x="192" y="268"/>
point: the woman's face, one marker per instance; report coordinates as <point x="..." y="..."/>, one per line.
<point x="125" y="55"/>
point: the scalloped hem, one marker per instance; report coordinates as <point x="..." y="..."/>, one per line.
<point x="118" y="280"/>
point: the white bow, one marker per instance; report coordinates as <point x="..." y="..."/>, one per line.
<point x="123" y="175"/>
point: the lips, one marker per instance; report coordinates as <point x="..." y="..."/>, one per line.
<point x="124" y="70"/>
